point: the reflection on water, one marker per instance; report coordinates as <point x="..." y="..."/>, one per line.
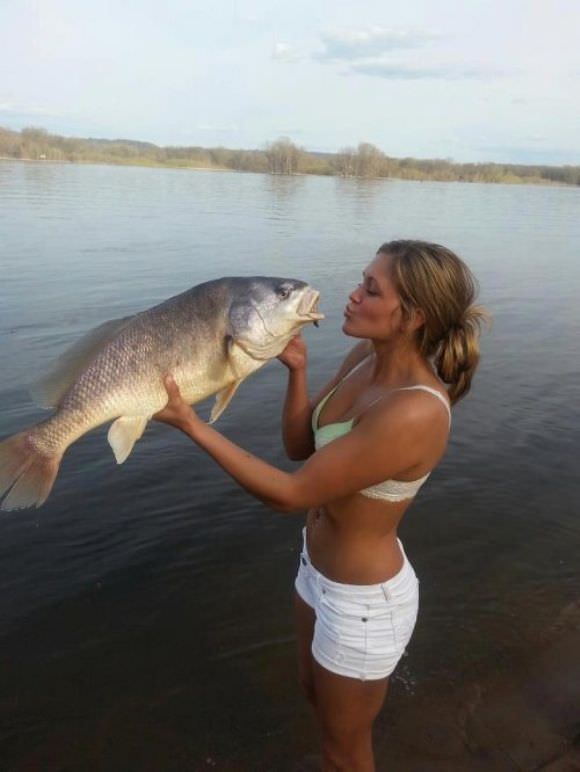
<point x="160" y="593"/>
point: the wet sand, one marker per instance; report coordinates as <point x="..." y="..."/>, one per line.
<point x="523" y="714"/>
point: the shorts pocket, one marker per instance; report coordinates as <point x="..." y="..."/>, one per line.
<point x="381" y="634"/>
<point x="404" y="619"/>
<point x="329" y="617"/>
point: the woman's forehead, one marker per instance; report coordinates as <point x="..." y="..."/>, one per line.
<point x="378" y="269"/>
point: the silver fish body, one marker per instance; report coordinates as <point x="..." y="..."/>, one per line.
<point x="209" y="338"/>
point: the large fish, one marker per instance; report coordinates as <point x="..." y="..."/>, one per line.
<point x="209" y="338"/>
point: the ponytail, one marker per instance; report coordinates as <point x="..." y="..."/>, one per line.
<point x="457" y="356"/>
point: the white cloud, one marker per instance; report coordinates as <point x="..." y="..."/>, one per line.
<point x="369" y="52"/>
<point x="362" y="43"/>
<point x="284" y="53"/>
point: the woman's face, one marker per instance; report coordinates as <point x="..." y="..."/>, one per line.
<point x="374" y="308"/>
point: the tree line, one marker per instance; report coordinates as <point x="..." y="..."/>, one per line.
<point x="279" y="157"/>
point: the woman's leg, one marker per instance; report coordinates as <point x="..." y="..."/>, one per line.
<point x="304" y="619"/>
<point x="346" y="709"/>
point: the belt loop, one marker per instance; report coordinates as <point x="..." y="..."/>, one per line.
<point x="386" y="592"/>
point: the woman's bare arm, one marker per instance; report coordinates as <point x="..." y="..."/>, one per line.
<point x="297" y="432"/>
<point x="401" y="432"/>
<point x="297" y="411"/>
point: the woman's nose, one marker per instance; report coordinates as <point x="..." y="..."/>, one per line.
<point x="355" y="295"/>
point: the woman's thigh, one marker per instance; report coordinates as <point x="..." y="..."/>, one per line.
<point x="304" y="620"/>
<point x="346" y="707"/>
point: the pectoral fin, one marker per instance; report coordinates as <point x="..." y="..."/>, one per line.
<point x="124" y="433"/>
<point x="222" y="400"/>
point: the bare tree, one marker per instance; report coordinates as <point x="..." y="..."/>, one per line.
<point x="344" y="162"/>
<point x="369" y="160"/>
<point x="283" y="156"/>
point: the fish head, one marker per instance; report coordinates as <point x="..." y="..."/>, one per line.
<point x="270" y="312"/>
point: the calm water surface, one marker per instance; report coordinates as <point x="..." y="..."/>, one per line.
<point x="145" y="610"/>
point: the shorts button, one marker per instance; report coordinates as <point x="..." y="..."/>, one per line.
<point x="363" y="619"/>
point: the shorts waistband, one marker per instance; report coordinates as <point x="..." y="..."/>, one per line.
<point x="401" y="578"/>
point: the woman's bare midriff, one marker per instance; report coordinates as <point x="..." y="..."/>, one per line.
<point x="354" y="541"/>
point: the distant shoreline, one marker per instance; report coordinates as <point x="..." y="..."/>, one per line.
<point x="280" y="157"/>
<point x="178" y="167"/>
<point x="150" y="165"/>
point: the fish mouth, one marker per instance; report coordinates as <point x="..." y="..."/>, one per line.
<point x="309" y="306"/>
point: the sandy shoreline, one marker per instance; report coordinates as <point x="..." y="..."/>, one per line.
<point x="523" y="716"/>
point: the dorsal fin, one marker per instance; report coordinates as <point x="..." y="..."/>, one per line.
<point x="49" y="390"/>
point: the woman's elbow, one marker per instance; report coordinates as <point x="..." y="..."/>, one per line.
<point x="284" y="505"/>
<point x="299" y="448"/>
<point x="290" y="501"/>
<point x="298" y="455"/>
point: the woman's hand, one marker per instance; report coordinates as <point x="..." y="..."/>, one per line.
<point x="294" y="355"/>
<point x="176" y="412"/>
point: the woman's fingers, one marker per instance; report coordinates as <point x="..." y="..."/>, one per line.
<point x="172" y="388"/>
<point x="176" y="411"/>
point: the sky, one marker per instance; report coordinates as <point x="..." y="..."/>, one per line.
<point x="469" y="80"/>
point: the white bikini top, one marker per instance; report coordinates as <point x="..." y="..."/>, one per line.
<point x="389" y="490"/>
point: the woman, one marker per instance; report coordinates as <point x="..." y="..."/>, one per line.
<point x="370" y="439"/>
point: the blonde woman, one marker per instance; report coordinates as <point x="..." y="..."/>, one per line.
<point x="369" y="440"/>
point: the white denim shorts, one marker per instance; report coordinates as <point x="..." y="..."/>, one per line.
<point x="361" y="631"/>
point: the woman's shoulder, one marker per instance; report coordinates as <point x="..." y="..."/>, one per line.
<point x="424" y="401"/>
<point x="424" y="406"/>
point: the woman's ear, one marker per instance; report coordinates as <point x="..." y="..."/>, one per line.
<point x="415" y="320"/>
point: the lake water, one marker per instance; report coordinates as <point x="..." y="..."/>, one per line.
<point x="145" y="610"/>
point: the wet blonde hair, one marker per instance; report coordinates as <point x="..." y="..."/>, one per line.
<point x="433" y="279"/>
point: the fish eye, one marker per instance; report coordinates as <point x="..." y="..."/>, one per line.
<point x="283" y="292"/>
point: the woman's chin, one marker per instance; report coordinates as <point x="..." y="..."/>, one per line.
<point x="347" y="328"/>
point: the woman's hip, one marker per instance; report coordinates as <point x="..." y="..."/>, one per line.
<point x="361" y="631"/>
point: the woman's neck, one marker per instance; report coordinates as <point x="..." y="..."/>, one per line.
<point x="396" y="363"/>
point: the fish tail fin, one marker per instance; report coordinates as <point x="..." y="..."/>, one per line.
<point x="26" y="474"/>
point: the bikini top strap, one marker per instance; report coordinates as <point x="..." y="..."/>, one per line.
<point x="353" y="369"/>
<point x="418" y="386"/>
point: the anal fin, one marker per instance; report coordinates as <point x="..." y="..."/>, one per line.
<point x="124" y="433"/>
